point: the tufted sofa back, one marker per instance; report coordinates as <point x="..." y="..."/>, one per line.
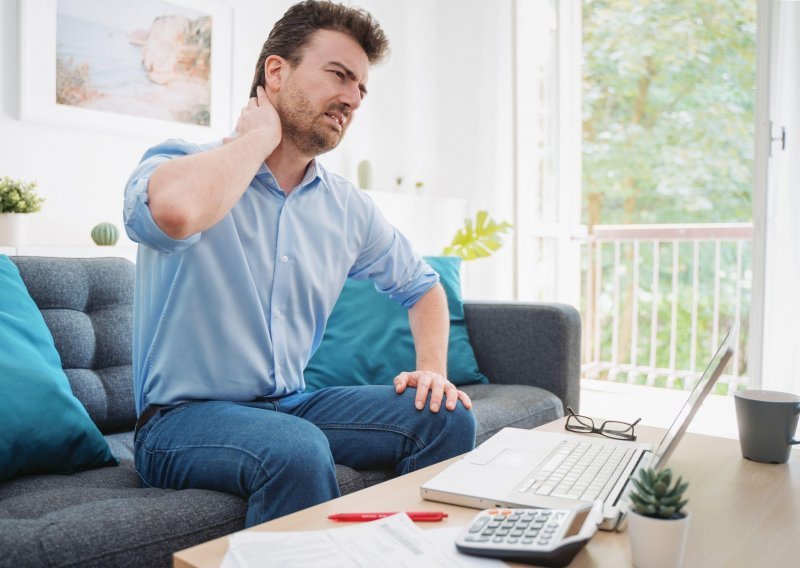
<point x="88" y="305"/>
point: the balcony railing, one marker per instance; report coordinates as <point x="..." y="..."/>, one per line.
<point x="656" y="301"/>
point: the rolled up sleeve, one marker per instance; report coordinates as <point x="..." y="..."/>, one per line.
<point x="139" y="223"/>
<point x="390" y="261"/>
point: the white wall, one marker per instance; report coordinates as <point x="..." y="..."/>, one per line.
<point x="439" y="111"/>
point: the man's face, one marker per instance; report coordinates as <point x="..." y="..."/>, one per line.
<point x="319" y="96"/>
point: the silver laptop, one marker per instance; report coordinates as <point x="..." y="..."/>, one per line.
<point x="526" y="468"/>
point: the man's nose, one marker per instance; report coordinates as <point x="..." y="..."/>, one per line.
<point x="352" y="96"/>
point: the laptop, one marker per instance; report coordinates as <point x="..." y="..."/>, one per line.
<point x="526" y="468"/>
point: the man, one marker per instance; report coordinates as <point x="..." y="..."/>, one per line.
<point x="245" y="246"/>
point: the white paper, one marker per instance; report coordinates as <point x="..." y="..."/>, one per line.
<point x="393" y="542"/>
<point x="445" y="540"/>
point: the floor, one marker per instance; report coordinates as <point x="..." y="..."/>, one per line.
<point x="656" y="407"/>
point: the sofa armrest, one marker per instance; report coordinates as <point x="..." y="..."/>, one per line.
<point x="535" y="344"/>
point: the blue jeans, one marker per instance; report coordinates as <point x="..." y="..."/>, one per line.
<point x="280" y="453"/>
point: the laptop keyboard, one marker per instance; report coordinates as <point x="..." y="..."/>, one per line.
<point x="579" y="470"/>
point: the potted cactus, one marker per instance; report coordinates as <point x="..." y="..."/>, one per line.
<point x="657" y="524"/>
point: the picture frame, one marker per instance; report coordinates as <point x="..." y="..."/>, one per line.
<point x="38" y="69"/>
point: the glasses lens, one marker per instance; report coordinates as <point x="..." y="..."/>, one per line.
<point x="578" y="423"/>
<point x="619" y="430"/>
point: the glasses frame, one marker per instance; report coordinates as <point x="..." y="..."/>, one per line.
<point x="587" y="427"/>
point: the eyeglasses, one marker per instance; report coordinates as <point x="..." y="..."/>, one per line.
<point x="610" y="428"/>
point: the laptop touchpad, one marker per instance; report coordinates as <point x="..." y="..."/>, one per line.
<point x="508" y="458"/>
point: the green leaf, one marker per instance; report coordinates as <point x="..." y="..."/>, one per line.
<point x="477" y="240"/>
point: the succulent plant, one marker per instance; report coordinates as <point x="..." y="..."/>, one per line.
<point x="652" y="495"/>
<point x="105" y="234"/>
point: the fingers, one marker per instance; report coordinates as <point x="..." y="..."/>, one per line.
<point x="452" y="394"/>
<point x="261" y="95"/>
<point x="465" y="400"/>
<point x="400" y="382"/>
<point x="439" y="388"/>
<point x="424" y="381"/>
<point x="438" y="384"/>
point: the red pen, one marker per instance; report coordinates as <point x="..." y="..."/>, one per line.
<point x="419" y="516"/>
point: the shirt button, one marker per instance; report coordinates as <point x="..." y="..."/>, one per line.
<point x="284" y="258"/>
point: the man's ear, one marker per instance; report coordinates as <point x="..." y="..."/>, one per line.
<point x="275" y="70"/>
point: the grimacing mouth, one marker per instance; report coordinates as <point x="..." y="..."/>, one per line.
<point x="339" y="117"/>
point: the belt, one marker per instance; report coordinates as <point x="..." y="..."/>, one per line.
<point x="146" y="415"/>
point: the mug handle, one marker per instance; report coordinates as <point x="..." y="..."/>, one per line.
<point x="796" y="411"/>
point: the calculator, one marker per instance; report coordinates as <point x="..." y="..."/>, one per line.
<point x="548" y="537"/>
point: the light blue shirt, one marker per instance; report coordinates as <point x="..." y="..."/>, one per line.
<point x="237" y="311"/>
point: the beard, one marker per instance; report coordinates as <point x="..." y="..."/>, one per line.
<point x="303" y="126"/>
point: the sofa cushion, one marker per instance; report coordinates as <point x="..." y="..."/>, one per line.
<point x="368" y="338"/>
<point x="517" y="406"/>
<point x="88" y="306"/>
<point x="43" y="427"/>
<point x="104" y="518"/>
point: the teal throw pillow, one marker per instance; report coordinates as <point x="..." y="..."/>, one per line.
<point x="368" y="338"/>
<point x="43" y="427"/>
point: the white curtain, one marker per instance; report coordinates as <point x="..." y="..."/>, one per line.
<point x="781" y="351"/>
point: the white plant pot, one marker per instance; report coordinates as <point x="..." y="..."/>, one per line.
<point x="657" y="543"/>
<point x="13" y="229"/>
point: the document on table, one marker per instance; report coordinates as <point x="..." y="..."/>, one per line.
<point x="392" y="542"/>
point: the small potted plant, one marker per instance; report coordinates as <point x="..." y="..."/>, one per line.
<point x="17" y="199"/>
<point x="657" y="524"/>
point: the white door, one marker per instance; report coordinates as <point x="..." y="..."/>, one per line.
<point x="775" y="361"/>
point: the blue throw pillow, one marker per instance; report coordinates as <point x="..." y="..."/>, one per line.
<point x="43" y="427"/>
<point x="368" y="338"/>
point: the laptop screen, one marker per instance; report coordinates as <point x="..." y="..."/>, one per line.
<point x="701" y="390"/>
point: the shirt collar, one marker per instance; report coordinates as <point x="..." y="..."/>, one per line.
<point x="314" y="171"/>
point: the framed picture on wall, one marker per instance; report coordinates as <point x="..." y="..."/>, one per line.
<point x="150" y="67"/>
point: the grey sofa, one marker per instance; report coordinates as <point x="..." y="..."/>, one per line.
<point x="102" y="517"/>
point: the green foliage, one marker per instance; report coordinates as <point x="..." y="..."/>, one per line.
<point x="17" y="196"/>
<point x="652" y="495"/>
<point x="477" y="240"/>
<point x="648" y="299"/>
<point x="668" y="112"/>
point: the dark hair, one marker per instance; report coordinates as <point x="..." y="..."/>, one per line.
<point x="294" y="30"/>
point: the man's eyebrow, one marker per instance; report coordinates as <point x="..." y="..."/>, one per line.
<point x="350" y="75"/>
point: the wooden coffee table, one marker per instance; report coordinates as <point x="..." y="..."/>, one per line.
<point x="743" y="513"/>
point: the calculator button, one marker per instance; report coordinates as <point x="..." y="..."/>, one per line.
<point x="517" y="532"/>
<point x="498" y="539"/>
<point x="527" y="541"/>
<point x="488" y="532"/>
<point x="479" y="524"/>
<point x="512" y="541"/>
<point x="476" y="538"/>
<point x="502" y="532"/>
